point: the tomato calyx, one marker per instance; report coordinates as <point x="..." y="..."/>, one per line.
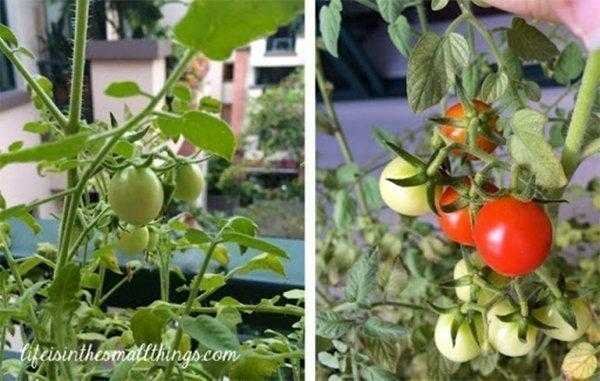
<point x="523" y="323"/>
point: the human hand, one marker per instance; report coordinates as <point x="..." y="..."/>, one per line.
<point x="580" y="16"/>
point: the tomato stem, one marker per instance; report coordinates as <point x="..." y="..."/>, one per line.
<point x="586" y="95"/>
<point x="542" y="273"/>
<point x="521" y="298"/>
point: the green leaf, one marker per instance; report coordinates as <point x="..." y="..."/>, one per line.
<point x="210" y="333"/>
<point x="209" y="133"/>
<point x="197" y="237"/>
<point x="124" y="148"/>
<point x="64" y="148"/>
<point x="147" y="325"/>
<point x="252" y="366"/>
<point x="331" y="324"/>
<point x="361" y="285"/>
<point x="106" y="257"/>
<point x="527" y="146"/>
<point x="330" y="20"/>
<point x="36" y="127"/>
<point x="329" y="360"/>
<point x="532" y="90"/>
<point x="210" y="104"/>
<point x="426" y="79"/>
<point x="436" y="5"/>
<point x="62" y="293"/>
<point x="255" y="243"/>
<point x="21" y="213"/>
<point x="400" y="34"/>
<point x="8" y="36"/>
<point x="569" y="64"/>
<point x="123" y="89"/>
<point x="29" y="264"/>
<point x="217" y="27"/>
<point x="456" y="55"/>
<point x="212" y="282"/>
<point x="90" y="280"/>
<point x="377" y="373"/>
<point x="390" y="9"/>
<point x="529" y="43"/>
<point x="243" y="225"/>
<point x="169" y="126"/>
<point x="264" y="262"/>
<point x="383" y="330"/>
<point x="485" y="363"/>
<point x="182" y="92"/>
<point x="342" y="209"/>
<point x="494" y="86"/>
<point x="121" y="371"/>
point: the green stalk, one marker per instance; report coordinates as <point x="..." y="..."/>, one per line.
<point x="339" y="134"/>
<point x="35" y="87"/>
<point x="522" y="301"/>
<point x="195" y="289"/>
<point x="586" y="95"/>
<point x="75" y="101"/>
<point x="115" y="288"/>
<point x="422" y="13"/>
<point x="542" y="273"/>
<point x="105" y="150"/>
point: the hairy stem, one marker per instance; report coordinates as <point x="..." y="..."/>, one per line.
<point x="195" y="289"/>
<point x="586" y="95"/>
<point x="35" y="87"/>
<point x="339" y="133"/>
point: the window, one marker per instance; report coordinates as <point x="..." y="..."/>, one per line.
<point x="7" y="79"/>
<point x="228" y="72"/>
<point x="282" y="41"/>
<point x="272" y="75"/>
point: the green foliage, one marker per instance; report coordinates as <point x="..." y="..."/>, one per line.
<point x="277" y="116"/>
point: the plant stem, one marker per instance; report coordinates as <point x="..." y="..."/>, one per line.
<point x="115" y="288"/>
<point x="35" y="87"/>
<point x="422" y="14"/>
<point x="195" y="289"/>
<point x="85" y="232"/>
<point x="521" y="298"/>
<point x="100" y="288"/>
<point x="368" y="4"/>
<point x="586" y="95"/>
<point x="339" y="134"/>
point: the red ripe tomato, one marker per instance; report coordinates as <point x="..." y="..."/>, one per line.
<point x="456" y="225"/>
<point x="459" y="135"/>
<point x="513" y="237"/>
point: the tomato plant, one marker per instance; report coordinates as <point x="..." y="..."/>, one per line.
<point x="121" y="179"/>
<point x="485" y="279"/>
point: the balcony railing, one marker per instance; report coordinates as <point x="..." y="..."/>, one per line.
<point x="281" y="45"/>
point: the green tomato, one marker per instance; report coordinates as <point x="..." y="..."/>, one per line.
<point x="563" y="331"/>
<point x="136" y="195"/>
<point x="483" y="295"/>
<point x="505" y="336"/>
<point x="460" y="270"/>
<point x="134" y="241"/>
<point x="465" y="347"/>
<point x="409" y="201"/>
<point x="188" y="183"/>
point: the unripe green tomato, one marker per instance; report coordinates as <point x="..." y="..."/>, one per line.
<point x="563" y="331"/>
<point x="136" y="195"/>
<point x="460" y="270"/>
<point x="465" y="347"/>
<point x="133" y="241"/>
<point x="505" y="336"/>
<point x="188" y="183"/>
<point x="409" y="201"/>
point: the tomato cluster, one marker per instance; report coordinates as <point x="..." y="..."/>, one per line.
<point x="510" y="234"/>
<point x="136" y="197"/>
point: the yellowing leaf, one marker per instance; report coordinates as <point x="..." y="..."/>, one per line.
<point x="580" y="362"/>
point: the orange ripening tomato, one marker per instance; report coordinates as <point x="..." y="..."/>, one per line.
<point x="455" y="225"/>
<point x="459" y="135"/>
